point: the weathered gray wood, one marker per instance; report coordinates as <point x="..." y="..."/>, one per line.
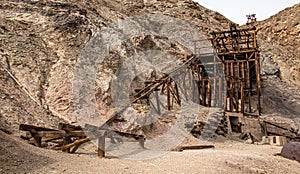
<point x="192" y="147"/>
<point x="26" y="127"/>
<point x="81" y="141"/>
<point x="68" y="127"/>
<point x="101" y="146"/>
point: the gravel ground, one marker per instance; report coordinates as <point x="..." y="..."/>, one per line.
<point x="227" y="157"/>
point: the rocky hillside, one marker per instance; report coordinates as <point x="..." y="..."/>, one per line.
<point x="279" y="38"/>
<point x="40" y="42"/>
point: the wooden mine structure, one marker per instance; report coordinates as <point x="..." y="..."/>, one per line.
<point x="238" y="51"/>
<point x="228" y="77"/>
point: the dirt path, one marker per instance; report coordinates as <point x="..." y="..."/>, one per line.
<point x="227" y="157"/>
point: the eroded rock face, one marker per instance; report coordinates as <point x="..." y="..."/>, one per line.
<point x="40" y="42"/>
<point x="279" y="38"/>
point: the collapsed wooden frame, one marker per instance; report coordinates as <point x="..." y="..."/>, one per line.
<point x="68" y="138"/>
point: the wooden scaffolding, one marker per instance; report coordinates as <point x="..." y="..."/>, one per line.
<point x="227" y="77"/>
<point x="238" y="51"/>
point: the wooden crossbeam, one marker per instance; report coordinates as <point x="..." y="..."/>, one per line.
<point x="49" y="134"/>
<point x="68" y="127"/>
<point x="77" y="142"/>
<point x="192" y="147"/>
<point x="26" y="127"/>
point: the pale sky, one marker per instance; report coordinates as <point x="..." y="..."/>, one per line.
<point x="236" y="10"/>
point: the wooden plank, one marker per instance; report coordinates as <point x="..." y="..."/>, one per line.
<point x="68" y="127"/>
<point x="192" y="147"/>
<point x="237" y="52"/>
<point x="53" y="140"/>
<point x="75" y="148"/>
<point x="50" y="134"/>
<point x="66" y="141"/>
<point x="99" y="132"/>
<point x="77" y="133"/>
<point x="81" y="141"/>
<point x="26" y="127"/>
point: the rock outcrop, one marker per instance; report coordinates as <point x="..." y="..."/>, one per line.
<point x="41" y="40"/>
<point x="279" y="39"/>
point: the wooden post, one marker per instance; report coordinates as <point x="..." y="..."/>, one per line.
<point x="230" y="95"/>
<point x="215" y="82"/>
<point x="101" y="146"/>
<point x="203" y="87"/>
<point x="67" y="140"/>
<point x="243" y="86"/>
<point x="242" y="97"/>
<point x="208" y="93"/>
<point x="177" y="94"/>
<point x="249" y="85"/>
<point x="220" y="91"/>
<point x="238" y="87"/>
<point x="157" y="103"/>
<point x="225" y="87"/>
<point x="168" y="95"/>
<point x="231" y="87"/>
<point x="258" y="83"/>
<point x="229" y="130"/>
<point x="37" y="140"/>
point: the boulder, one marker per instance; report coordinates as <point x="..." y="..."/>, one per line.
<point x="291" y="151"/>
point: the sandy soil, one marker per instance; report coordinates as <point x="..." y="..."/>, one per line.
<point x="227" y="157"/>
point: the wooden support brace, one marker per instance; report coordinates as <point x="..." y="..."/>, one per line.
<point x="101" y="146"/>
<point x="68" y="146"/>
